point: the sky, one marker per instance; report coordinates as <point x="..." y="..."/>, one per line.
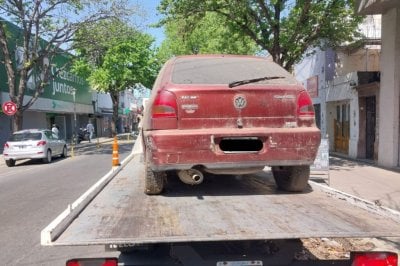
<point x="150" y="16"/>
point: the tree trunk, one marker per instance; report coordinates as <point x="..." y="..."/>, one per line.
<point x="115" y="103"/>
<point x="17" y="121"/>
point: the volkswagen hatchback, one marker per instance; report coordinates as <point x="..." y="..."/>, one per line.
<point x="33" y="144"/>
<point x="226" y="114"/>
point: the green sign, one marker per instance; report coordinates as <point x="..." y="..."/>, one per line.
<point x="63" y="84"/>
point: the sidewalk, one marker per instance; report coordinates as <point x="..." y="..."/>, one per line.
<point x="364" y="180"/>
<point x="124" y="136"/>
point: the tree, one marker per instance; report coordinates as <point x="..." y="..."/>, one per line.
<point x="209" y="35"/>
<point x="114" y="57"/>
<point x="283" y="28"/>
<point x="45" y="26"/>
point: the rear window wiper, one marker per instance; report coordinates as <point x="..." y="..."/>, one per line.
<point x="247" y="81"/>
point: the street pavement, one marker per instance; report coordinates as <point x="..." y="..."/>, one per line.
<point x="84" y="144"/>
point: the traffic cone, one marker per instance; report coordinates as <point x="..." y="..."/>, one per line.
<point x="115" y="155"/>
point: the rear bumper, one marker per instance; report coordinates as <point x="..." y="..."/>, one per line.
<point x="184" y="149"/>
<point x="22" y="156"/>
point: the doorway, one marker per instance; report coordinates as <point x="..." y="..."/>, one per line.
<point x="60" y="122"/>
<point x="342" y="128"/>
<point x="370" y="127"/>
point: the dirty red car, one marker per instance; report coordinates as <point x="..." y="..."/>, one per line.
<point x="226" y="114"/>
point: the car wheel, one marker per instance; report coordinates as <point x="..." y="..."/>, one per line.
<point x="291" y="178"/>
<point x="10" y="163"/>
<point x="65" y="152"/>
<point x="48" y="157"/>
<point x="154" y="181"/>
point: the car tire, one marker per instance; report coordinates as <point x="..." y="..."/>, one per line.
<point x="65" y="152"/>
<point x="291" y="178"/>
<point x="48" y="157"/>
<point x="154" y="181"/>
<point x="10" y="163"/>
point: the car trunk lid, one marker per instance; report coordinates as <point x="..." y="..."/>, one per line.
<point x="240" y="107"/>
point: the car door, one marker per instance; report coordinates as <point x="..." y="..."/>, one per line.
<point x="57" y="144"/>
<point x="51" y="142"/>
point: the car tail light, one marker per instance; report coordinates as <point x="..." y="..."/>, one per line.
<point x="305" y="105"/>
<point x="374" y="259"/>
<point x="93" y="262"/>
<point x="164" y="105"/>
<point x="6" y="145"/>
<point x="164" y="111"/>
<point x="41" y="143"/>
<point x="305" y="110"/>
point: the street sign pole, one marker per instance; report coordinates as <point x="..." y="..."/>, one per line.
<point x="10" y="108"/>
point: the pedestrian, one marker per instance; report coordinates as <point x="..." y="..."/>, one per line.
<point x="55" y="129"/>
<point x="90" y="130"/>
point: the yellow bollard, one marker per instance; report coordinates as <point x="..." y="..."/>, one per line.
<point x="115" y="155"/>
<point x="98" y="144"/>
<point x="72" y="151"/>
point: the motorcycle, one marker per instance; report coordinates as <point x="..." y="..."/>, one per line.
<point x="83" y="134"/>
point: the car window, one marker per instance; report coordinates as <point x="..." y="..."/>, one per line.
<point x="49" y="134"/>
<point x="225" y="70"/>
<point x="25" y="136"/>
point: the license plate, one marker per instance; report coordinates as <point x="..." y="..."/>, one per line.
<point x="240" y="263"/>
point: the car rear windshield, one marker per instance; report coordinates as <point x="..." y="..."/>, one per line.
<point x="26" y="136"/>
<point x="224" y="70"/>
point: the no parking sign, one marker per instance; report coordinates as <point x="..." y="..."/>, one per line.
<point x="9" y="108"/>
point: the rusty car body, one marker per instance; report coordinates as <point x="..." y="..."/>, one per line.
<point x="228" y="114"/>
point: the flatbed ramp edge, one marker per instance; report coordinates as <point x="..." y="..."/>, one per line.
<point x="116" y="211"/>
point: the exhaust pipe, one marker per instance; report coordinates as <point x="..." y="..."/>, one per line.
<point x="191" y="176"/>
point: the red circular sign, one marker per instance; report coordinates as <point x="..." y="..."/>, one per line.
<point x="9" y="108"/>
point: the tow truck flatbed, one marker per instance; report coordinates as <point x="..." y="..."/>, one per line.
<point x="223" y="208"/>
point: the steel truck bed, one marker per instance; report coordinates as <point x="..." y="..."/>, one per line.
<point x="223" y="208"/>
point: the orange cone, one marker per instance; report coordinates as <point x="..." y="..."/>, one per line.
<point x="115" y="155"/>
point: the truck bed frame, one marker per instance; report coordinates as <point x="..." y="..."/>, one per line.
<point x="116" y="211"/>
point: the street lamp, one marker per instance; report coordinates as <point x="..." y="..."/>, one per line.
<point x="75" y="138"/>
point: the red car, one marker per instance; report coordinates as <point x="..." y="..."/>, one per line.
<point x="226" y="114"/>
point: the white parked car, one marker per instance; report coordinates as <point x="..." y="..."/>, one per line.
<point x="33" y="144"/>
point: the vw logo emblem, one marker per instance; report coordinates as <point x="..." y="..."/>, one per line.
<point x="239" y="102"/>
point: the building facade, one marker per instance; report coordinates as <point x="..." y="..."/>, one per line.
<point x="388" y="113"/>
<point x="344" y="85"/>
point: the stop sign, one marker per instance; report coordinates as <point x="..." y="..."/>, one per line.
<point x="9" y="108"/>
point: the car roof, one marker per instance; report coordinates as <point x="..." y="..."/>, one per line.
<point x="33" y="130"/>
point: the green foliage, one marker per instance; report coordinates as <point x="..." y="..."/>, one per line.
<point x="208" y="36"/>
<point x="44" y="30"/>
<point x="283" y="28"/>
<point x="114" y="56"/>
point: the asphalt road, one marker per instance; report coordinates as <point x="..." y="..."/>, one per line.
<point x="32" y="194"/>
